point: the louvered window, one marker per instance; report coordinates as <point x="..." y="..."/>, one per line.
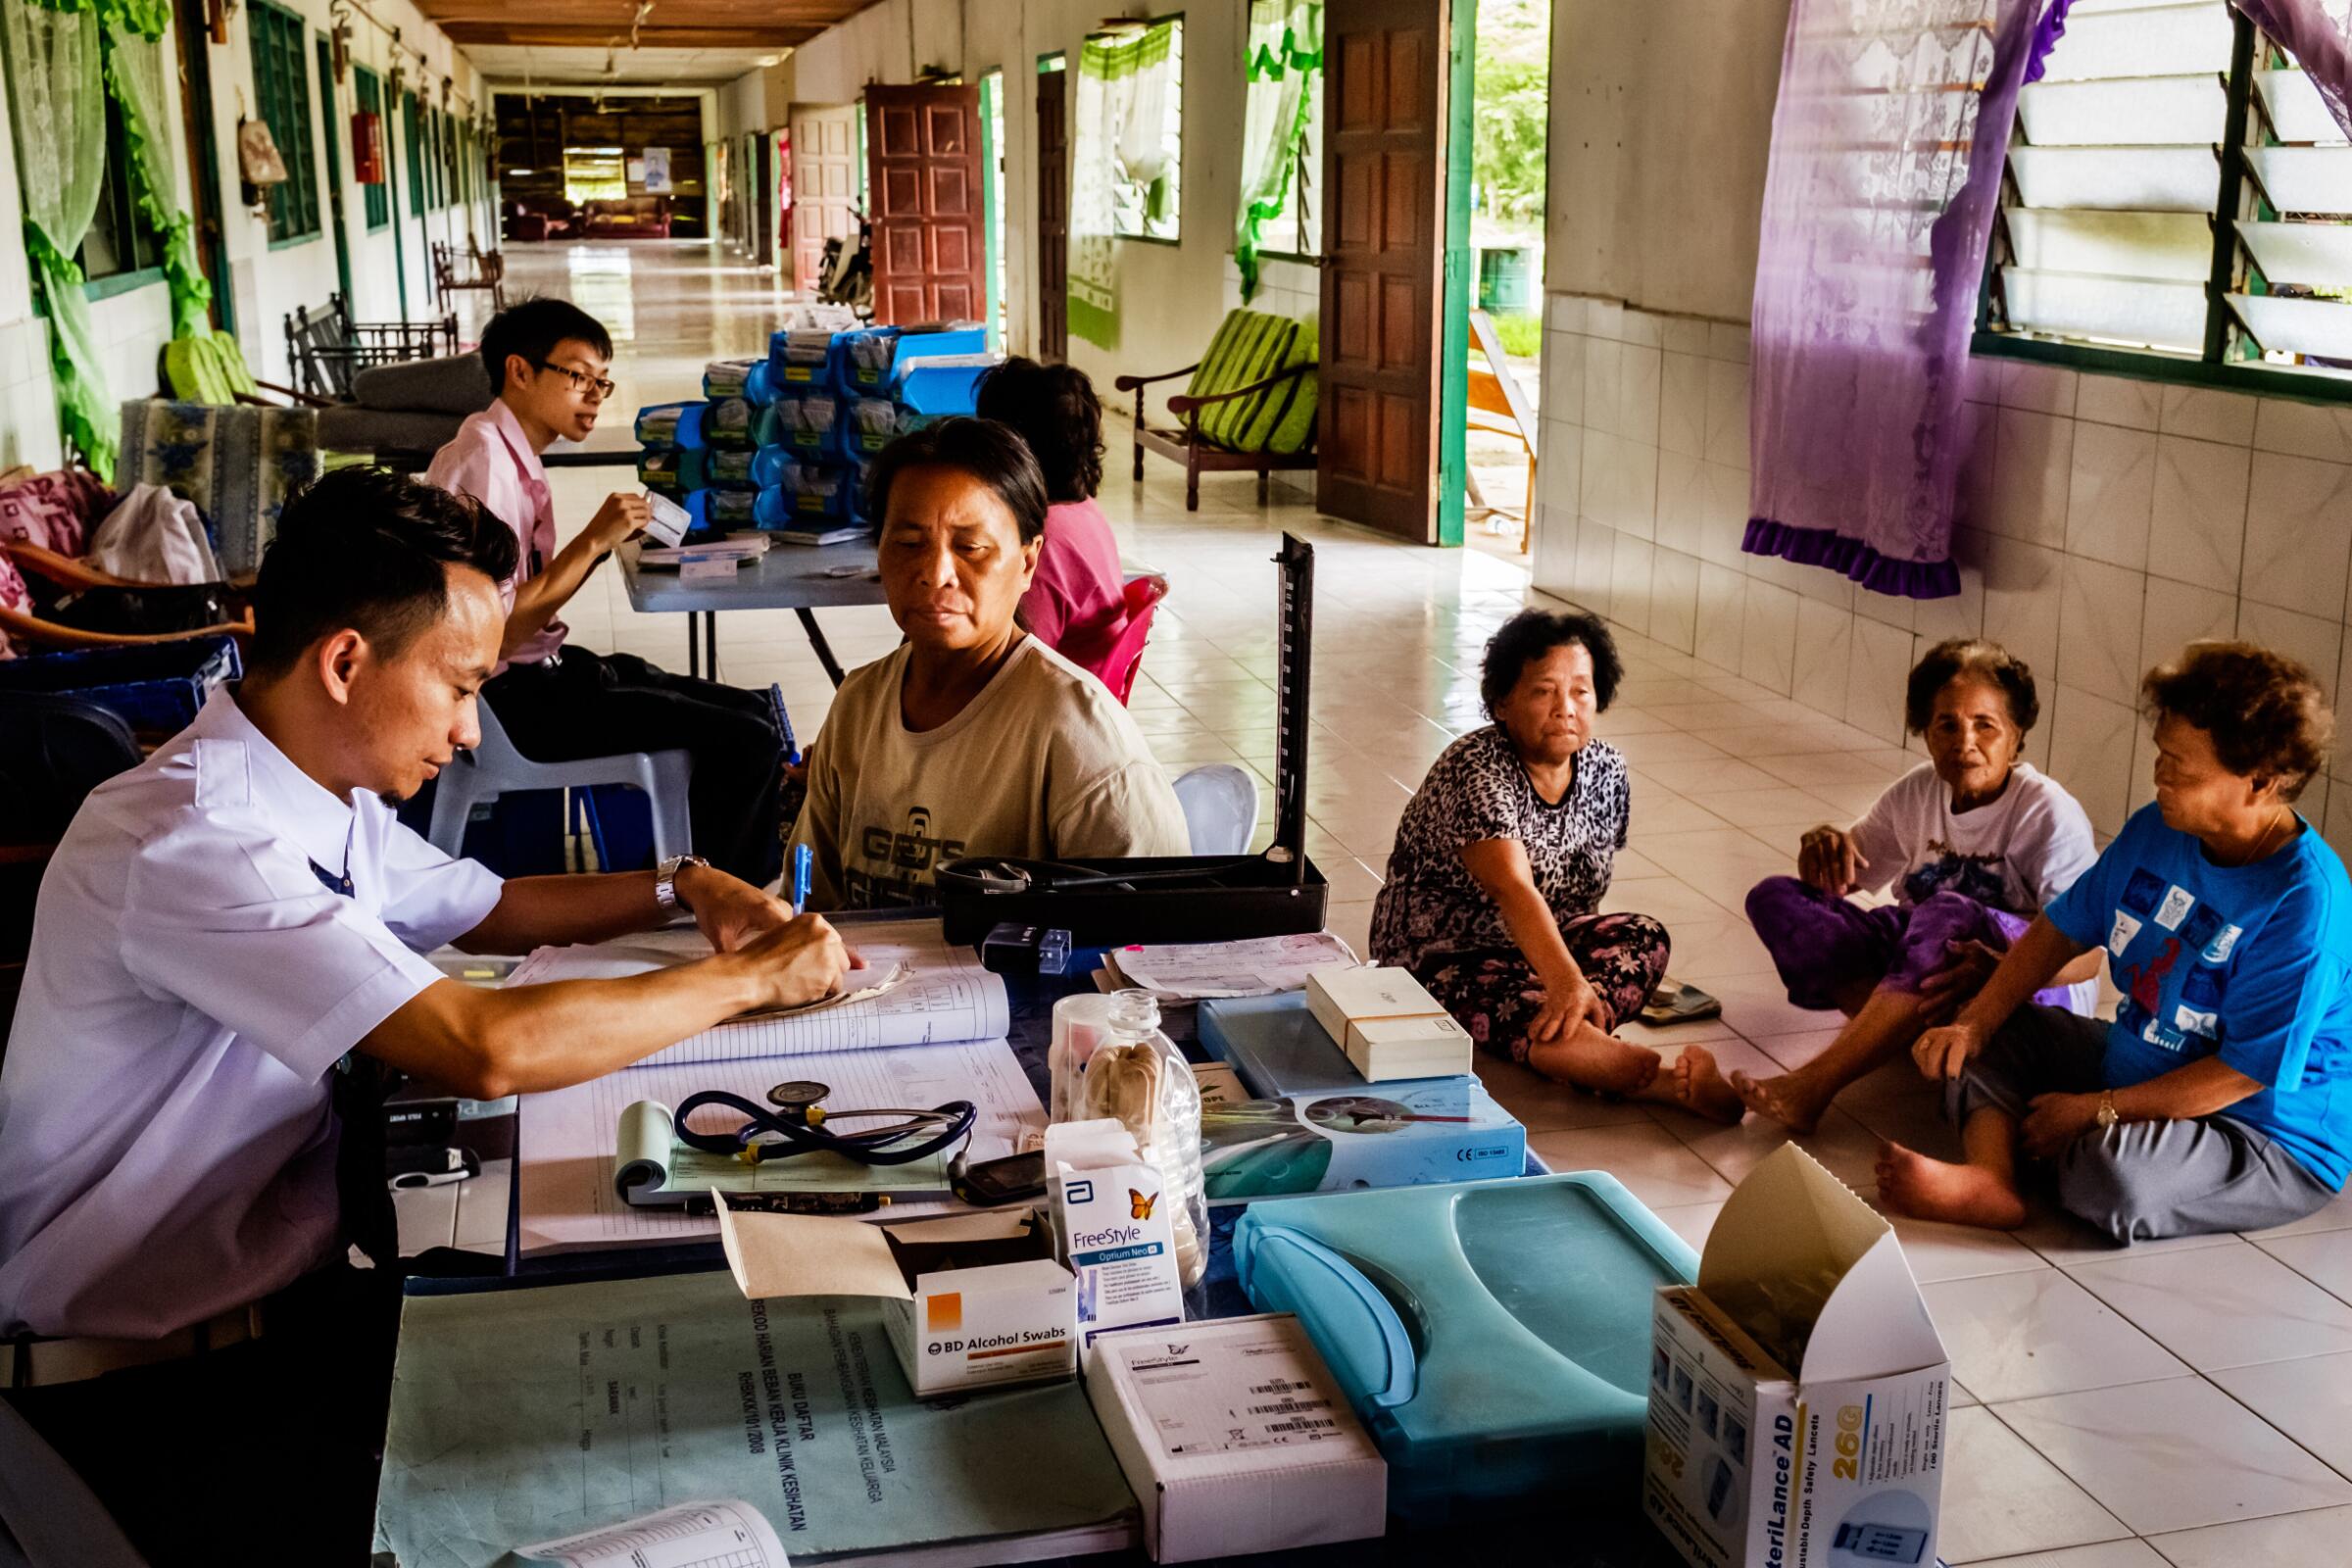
<point x="2154" y="117"/>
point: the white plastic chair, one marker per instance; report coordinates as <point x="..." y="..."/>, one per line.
<point x="495" y="768"/>
<point x="1220" y="807"/>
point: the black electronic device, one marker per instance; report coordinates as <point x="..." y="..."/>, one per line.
<point x="1198" y="898"/>
<point x="990" y="1182"/>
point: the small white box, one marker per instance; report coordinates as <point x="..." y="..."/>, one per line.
<point x="1388" y="1024"/>
<point x="666" y="523"/>
<point x="1834" y="1462"/>
<point x="1114" y="1229"/>
<point x="1235" y="1438"/>
<point x="992" y="1307"/>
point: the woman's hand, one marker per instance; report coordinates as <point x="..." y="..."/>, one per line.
<point x="1827" y="858"/>
<point x="797" y="961"/>
<point x="2053" y="1122"/>
<point x="1943" y="1053"/>
<point x="1941" y="993"/>
<point x="1568" y="1002"/>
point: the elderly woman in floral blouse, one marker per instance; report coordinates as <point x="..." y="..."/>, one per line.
<point x="1493" y="889"/>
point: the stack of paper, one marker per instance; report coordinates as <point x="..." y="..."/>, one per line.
<point x="1259" y="967"/>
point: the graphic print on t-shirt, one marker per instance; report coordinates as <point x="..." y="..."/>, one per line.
<point x="2195" y="939"/>
<point x="1979" y="876"/>
<point x="910" y="854"/>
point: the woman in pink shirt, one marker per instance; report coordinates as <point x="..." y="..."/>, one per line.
<point x="1077" y="603"/>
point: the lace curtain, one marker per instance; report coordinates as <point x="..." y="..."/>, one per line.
<point x="1887" y="154"/>
<point x="1285" y="58"/>
<point x="59" y="117"/>
<point x="134" y="76"/>
<point x="1094" y="282"/>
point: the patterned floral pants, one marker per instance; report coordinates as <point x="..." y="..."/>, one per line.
<point x="1494" y="992"/>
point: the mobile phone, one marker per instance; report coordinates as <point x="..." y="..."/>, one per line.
<point x="998" y="1181"/>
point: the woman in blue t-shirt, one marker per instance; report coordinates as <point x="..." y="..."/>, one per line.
<point x="2221" y="1097"/>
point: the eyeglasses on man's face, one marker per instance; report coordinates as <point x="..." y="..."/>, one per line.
<point x="581" y="381"/>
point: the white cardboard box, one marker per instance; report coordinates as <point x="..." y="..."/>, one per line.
<point x="1235" y="1438"/>
<point x="1838" y="1463"/>
<point x="1113" y="1228"/>
<point x="1388" y="1024"/>
<point x="972" y="1301"/>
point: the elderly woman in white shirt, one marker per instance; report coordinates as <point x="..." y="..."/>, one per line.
<point x="1974" y="841"/>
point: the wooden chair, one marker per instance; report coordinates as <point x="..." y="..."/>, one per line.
<point x="479" y="272"/>
<point x="70" y="576"/>
<point x="327" y="348"/>
<point x="1249" y="406"/>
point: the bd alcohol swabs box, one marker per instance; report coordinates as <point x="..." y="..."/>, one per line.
<point x="1799" y="1392"/>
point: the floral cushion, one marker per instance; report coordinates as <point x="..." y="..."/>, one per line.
<point x="238" y="465"/>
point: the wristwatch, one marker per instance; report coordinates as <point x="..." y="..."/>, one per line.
<point x="665" y="879"/>
<point x="2107" y="1116"/>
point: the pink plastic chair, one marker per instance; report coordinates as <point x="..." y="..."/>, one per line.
<point x="1126" y="659"/>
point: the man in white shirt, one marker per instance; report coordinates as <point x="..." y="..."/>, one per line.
<point x="220" y="928"/>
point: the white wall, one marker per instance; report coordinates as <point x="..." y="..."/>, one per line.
<point x="1170" y="296"/>
<point x="132" y="326"/>
<point x="2104" y="522"/>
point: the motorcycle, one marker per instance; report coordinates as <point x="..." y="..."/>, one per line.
<point x="846" y="275"/>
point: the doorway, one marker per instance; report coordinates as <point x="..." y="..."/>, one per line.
<point x="923" y="178"/>
<point x="824" y="195"/>
<point x="192" y="34"/>
<point x="1510" y="115"/>
<point x="1053" y="208"/>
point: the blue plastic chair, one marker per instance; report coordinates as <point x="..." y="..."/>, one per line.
<point x="495" y="768"/>
<point x="1220" y="807"/>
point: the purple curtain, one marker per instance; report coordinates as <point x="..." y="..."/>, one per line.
<point x="1887" y="145"/>
<point x="2315" y="40"/>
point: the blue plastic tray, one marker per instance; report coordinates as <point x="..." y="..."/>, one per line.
<point x="155" y="687"/>
<point x="1277" y="1047"/>
<point x="1493" y="1337"/>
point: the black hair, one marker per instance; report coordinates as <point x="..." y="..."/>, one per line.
<point x="993" y="454"/>
<point x="1531" y="634"/>
<point x="1957" y="656"/>
<point x="366" y="549"/>
<point x="532" y="329"/>
<point x="1052" y="407"/>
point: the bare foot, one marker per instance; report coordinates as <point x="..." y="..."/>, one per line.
<point x="1591" y="1060"/>
<point x="1910" y="1183"/>
<point x="1694" y="1082"/>
<point x="1786" y="1099"/>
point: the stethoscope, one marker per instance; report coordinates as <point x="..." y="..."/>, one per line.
<point x="796" y="1126"/>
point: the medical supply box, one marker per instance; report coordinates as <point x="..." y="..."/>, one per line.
<point x="1493" y="1336"/>
<point x="1235" y="1439"/>
<point x="1111" y="1215"/>
<point x="1277" y="1046"/>
<point x="1798" y="1391"/>
<point x="969" y="1302"/>
<point x="1397" y="1134"/>
<point x="1387" y="1023"/>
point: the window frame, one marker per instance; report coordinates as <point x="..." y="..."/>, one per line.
<point x="119" y="205"/>
<point x="376" y="201"/>
<point x="1298" y="213"/>
<point x="270" y="30"/>
<point x="412" y="122"/>
<point x="1177" y="238"/>
<point x="2214" y="366"/>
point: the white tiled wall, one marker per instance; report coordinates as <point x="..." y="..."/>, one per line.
<point x="2103" y="522"/>
<point x="1284" y="288"/>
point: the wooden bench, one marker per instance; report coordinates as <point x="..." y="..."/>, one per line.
<point x="1249" y="406"/>
<point x="478" y="272"/>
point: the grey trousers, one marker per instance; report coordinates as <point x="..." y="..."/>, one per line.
<point x="2138" y="1179"/>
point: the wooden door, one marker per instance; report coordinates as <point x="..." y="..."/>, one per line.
<point x="1384" y="176"/>
<point x="824" y="187"/>
<point x="192" y="36"/>
<point x="1053" y="216"/>
<point x="923" y="182"/>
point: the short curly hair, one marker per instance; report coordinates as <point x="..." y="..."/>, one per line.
<point x="1957" y="656"/>
<point x="2267" y="713"/>
<point x="1531" y="634"/>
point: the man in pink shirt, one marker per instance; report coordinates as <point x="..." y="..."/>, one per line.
<point x="1077" y="603"/>
<point x="548" y="360"/>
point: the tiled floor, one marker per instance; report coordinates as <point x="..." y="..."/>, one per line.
<point x="2196" y="1395"/>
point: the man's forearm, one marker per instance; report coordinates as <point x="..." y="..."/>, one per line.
<point x="2032" y="962"/>
<point x="542" y="912"/>
<point x="2187" y="1093"/>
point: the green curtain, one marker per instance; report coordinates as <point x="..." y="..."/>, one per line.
<point x="1094" y="279"/>
<point x="60" y="120"/>
<point x="134" y="75"/>
<point x="1285" y="57"/>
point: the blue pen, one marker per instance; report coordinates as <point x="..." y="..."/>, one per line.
<point x="804" y="865"/>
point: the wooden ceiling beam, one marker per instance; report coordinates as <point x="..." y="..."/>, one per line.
<point x="568" y="36"/>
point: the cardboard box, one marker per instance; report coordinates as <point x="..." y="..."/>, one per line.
<point x="1799" y="1392"/>
<point x="974" y="1302"/>
<point x="1235" y="1438"/>
<point x="1388" y="1024"/>
<point x="1114" y="1228"/>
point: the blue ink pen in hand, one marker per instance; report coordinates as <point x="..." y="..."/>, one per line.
<point x="804" y="865"/>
